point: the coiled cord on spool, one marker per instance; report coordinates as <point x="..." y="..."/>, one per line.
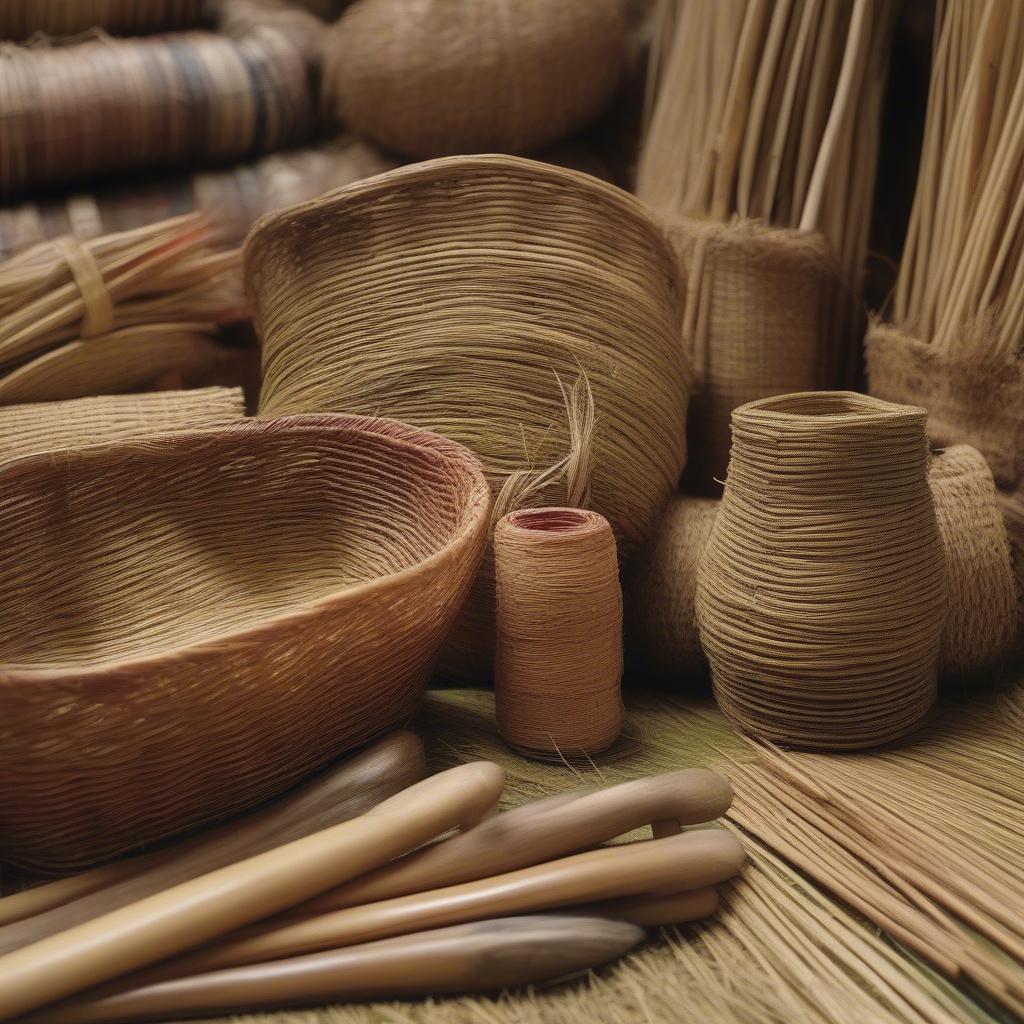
<point x="822" y="596"/>
<point x="559" y="657"/>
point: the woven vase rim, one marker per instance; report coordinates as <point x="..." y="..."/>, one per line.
<point x="474" y="518"/>
<point x="826" y="408"/>
<point x="554" y="520"/>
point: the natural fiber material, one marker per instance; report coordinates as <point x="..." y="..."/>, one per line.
<point x="759" y="303"/>
<point x="103" y="106"/>
<point x="116" y="363"/>
<point x="559" y="660"/>
<point x="1012" y="508"/>
<point x="821" y="597"/>
<point x="660" y="590"/>
<point x="437" y="77"/>
<point x="195" y="620"/>
<point x="19" y="19"/>
<point x="969" y="398"/>
<point x="27" y="429"/>
<point x="529" y="312"/>
<point x="982" y="620"/>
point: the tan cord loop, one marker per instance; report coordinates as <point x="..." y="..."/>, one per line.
<point x="98" y="317"/>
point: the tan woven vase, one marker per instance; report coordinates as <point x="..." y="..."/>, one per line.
<point x="529" y="312"/>
<point x="979" y="402"/>
<point x="821" y="597"/>
<point x="194" y="621"/>
<point x="437" y="77"/>
<point x="982" y="621"/>
<point x="760" y="304"/>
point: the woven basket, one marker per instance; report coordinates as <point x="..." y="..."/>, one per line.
<point x="660" y="590"/>
<point x="975" y="402"/>
<point x="821" y="596"/>
<point x="469" y="296"/>
<point x="21" y="18"/>
<point x="77" y="112"/>
<point x="982" y="621"/>
<point x="437" y="77"/>
<point x="759" y="304"/>
<point x="194" y="621"/>
<point x="27" y="429"/>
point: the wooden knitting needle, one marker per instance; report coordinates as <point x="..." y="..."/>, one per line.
<point x="539" y="832"/>
<point x="480" y="957"/>
<point x="204" y="908"/>
<point x="343" y="791"/>
<point x="693" y="860"/>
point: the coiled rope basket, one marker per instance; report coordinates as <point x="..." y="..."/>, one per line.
<point x="526" y="311"/>
<point x="821" y="598"/>
<point x="437" y="77"/>
<point x="196" y="620"/>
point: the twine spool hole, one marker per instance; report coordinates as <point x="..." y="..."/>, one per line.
<point x="559" y="655"/>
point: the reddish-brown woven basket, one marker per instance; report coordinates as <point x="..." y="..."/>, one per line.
<point x="194" y="621"/>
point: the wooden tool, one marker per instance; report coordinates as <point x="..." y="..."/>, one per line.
<point x="480" y="957"/>
<point x="539" y="832"/>
<point x="204" y="908"/>
<point x="342" y="792"/>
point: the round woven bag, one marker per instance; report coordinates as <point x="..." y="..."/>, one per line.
<point x="821" y="597"/>
<point x="529" y="312"/>
<point x="194" y="621"/>
<point x="437" y="77"/>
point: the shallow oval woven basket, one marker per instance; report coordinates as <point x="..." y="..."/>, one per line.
<point x="190" y="623"/>
<point x="481" y="297"/>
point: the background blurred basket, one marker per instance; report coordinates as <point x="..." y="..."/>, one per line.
<point x="530" y="312"/>
<point x="196" y="620"/>
<point x="21" y="18"/>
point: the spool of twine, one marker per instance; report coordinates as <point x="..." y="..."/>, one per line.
<point x="982" y="620"/>
<point x="104" y="106"/>
<point x="559" y="654"/>
<point x="822" y="598"/>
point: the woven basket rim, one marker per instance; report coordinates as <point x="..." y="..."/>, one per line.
<point x="850" y="407"/>
<point x="446" y="169"/>
<point x="474" y="520"/>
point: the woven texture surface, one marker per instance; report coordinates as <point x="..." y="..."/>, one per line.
<point x="437" y="77"/>
<point x="660" y="591"/>
<point x="969" y="400"/>
<point x="821" y="597"/>
<point x="27" y="429"/>
<point x="21" y="18"/>
<point x="196" y="620"/>
<point x="104" y="106"/>
<point x="470" y="296"/>
<point x="559" y="658"/>
<point x="982" y="620"/>
<point x="759" y="302"/>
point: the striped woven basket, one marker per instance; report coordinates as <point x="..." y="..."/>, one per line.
<point x="527" y="311"/>
<point x="196" y="620"/>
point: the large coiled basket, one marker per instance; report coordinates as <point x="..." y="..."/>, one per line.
<point x="194" y="621"/>
<point x="529" y="312"/>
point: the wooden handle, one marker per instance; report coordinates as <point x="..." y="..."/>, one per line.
<point x="338" y="794"/>
<point x="481" y="957"/>
<point x="204" y="908"/>
<point x="653" y="910"/>
<point x="542" y="831"/>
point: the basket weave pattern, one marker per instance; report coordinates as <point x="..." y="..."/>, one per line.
<point x="196" y="620"/>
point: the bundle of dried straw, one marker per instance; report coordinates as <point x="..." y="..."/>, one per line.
<point x="766" y="112"/>
<point x="821" y="596"/>
<point x="19" y="19"/>
<point x="958" y="315"/>
<point x="559" y="658"/>
<point x="104" y="106"/>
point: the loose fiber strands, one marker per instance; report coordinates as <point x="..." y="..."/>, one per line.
<point x="105" y="106"/>
<point x="46" y="426"/>
<point x="982" y="620"/>
<point x="20" y="19"/>
<point x="469" y="294"/>
<point x="559" y="656"/>
<point x="821" y="597"/>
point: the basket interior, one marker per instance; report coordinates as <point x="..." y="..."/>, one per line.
<point x="123" y="551"/>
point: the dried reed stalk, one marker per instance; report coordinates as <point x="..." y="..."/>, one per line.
<point x="559" y="651"/>
<point x="104" y="106"/>
<point x="19" y="19"/>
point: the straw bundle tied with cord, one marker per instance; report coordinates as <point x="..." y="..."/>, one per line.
<point x="954" y="343"/>
<point x="760" y="155"/>
<point x="527" y="311"/>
